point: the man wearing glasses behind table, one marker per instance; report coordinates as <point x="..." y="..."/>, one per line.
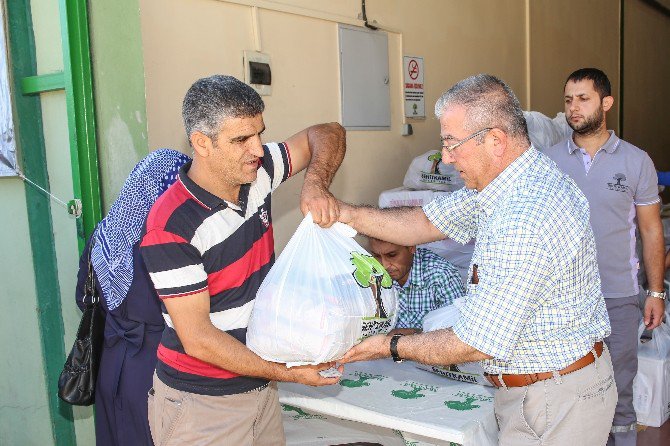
<point x="533" y="313"/>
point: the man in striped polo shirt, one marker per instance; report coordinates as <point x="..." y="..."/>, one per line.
<point x="208" y="245"/>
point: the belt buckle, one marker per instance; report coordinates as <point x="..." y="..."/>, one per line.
<point x="531" y="378"/>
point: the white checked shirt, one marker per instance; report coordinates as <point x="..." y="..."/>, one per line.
<point x="537" y="306"/>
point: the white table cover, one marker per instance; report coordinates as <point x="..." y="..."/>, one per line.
<point x="402" y="397"/>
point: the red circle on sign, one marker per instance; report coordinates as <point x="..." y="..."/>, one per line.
<point x="413" y="69"/>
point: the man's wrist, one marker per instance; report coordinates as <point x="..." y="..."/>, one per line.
<point x="280" y="373"/>
<point x="393" y="347"/>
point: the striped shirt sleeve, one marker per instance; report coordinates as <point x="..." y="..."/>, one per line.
<point x="277" y="163"/>
<point x="174" y="265"/>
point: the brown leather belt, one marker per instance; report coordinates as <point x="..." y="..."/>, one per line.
<point x="530" y="378"/>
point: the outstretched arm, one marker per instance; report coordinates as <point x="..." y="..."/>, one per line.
<point x="320" y="149"/>
<point x="406" y="226"/>
<point x="202" y="340"/>
<point x="440" y="347"/>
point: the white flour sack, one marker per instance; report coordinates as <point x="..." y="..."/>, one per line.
<point x="324" y="294"/>
<point x="427" y="171"/>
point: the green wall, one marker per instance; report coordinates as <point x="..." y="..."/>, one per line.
<point x="22" y="386"/>
<point x="118" y="79"/>
<point x="25" y="417"/>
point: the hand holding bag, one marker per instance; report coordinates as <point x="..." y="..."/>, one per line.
<point x="76" y="384"/>
<point x="324" y="294"/>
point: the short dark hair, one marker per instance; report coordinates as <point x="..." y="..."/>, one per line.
<point x="600" y="81"/>
<point x="213" y="99"/>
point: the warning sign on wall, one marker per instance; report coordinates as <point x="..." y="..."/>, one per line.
<point x="414" y="100"/>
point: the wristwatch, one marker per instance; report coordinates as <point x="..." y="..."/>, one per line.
<point x="657" y="294"/>
<point x="394" y="347"/>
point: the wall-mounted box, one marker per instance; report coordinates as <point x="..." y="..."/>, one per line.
<point x="364" y="79"/>
<point x="257" y="72"/>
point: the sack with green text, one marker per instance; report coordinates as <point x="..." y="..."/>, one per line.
<point x="324" y="294"/>
<point x="427" y="171"/>
<point x="468" y="372"/>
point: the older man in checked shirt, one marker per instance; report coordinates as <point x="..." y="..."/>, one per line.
<point x="533" y="313"/>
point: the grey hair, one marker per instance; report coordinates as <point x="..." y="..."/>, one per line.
<point x="488" y="102"/>
<point x="213" y="99"/>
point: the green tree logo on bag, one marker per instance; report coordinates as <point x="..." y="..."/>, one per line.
<point x="435" y="158"/>
<point x="369" y="273"/>
<point x="434" y="175"/>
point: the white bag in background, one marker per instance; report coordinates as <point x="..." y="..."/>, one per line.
<point x="651" y="387"/>
<point x="544" y="131"/>
<point x="445" y="317"/>
<point x="427" y="171"/>
<point x="404" y="196"/>
<point x="324" y="294"/>
<point x="458" y="254"/>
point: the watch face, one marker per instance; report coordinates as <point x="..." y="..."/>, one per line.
<point x="657" y="294"/>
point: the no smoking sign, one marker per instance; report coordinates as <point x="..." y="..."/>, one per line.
<point x="413" y="87"/>
<point x="413" y="69"/>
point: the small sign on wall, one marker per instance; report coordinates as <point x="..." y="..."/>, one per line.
<point x="413" y="81"/>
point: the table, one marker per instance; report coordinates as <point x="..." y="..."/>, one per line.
<point x="405" y="398"/>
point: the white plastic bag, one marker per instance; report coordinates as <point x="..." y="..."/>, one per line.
<point x="445" y="317"/>
<point x="427" y="171"/>
<point x="544" y="131"/>
<point x="404" y="196"/>
<point x="651" y="387"/>
<point x="324" y="294"/>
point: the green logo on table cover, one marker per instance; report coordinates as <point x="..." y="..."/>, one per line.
<point x="362" y="380"/>
<point x="415" y="392"/>
<point x="301" y="414"/>
<point x="469" y="399"/>
<point x="462" y="405"/>
<point x="369" y="273"/>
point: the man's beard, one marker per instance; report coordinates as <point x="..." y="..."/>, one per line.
<point x="590" y="125"/>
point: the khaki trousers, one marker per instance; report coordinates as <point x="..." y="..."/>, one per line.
<point x="183" y="418"/>
<point x="574" y="409"/>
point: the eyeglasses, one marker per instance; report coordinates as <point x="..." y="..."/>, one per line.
<point x="453" y="147"/>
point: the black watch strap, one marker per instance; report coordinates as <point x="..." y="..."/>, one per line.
<point x="394" y="347"/>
